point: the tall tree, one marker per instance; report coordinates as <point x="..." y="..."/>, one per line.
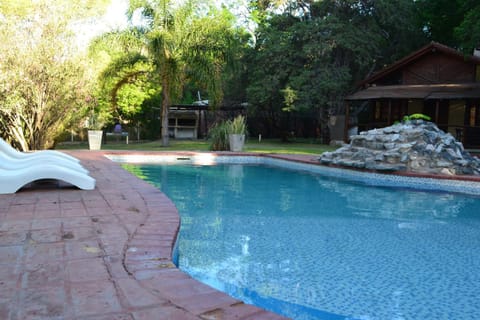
<point x="455" y="23"/>
<point x="308" y="60"/>
<point x="188" y="43"/>
<point x="440" y="17"/>
<point x="42" y="82"/>
<point x="124" y="74"/>
<point x="468" y="32"/>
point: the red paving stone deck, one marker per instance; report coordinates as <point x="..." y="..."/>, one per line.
<point x="104" y="254"/>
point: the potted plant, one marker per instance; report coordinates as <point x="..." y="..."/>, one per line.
<point x="95" y="134"/>
<point x="236" y="129"/>
<point x="95" y="123"/>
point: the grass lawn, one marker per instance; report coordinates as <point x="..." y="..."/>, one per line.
<point x="266" y="146"/>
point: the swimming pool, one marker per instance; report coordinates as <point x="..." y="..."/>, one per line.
<point x="323" y="248"/>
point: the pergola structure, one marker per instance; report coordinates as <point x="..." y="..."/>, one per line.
<point x="191" y="121"/>
<point x="436" y="80"/>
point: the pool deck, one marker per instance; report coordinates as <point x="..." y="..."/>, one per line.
<point x="103" y="254"/>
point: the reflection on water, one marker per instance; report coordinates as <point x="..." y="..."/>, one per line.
<point x="388" y="203"/>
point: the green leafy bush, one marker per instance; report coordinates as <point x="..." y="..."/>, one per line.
<point x="237" y="125"/>
<point x="219" y="132"/>
<point x="219" y="136"/>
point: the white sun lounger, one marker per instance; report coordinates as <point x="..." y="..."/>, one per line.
<point x="9" y="163"/>
<point x="11" y="152"/>
<point x="18" y="169"/>
<point x="12" y="180"/>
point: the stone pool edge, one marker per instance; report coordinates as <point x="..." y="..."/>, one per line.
<point x="469" y="185"/>
<point x="148" y="258"/>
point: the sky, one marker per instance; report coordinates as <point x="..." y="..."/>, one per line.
<point x="115" y="15"/>
<point x="113" y="19"/>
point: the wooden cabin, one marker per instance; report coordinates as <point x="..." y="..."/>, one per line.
<point x="436" y="80"/>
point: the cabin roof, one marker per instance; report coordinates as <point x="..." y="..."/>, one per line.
<point x="426" y="91"/>
<point x="431" y="47"/>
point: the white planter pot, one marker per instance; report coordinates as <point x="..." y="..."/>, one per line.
<point x="95" y="139"/>
<point x="237" y="141"/>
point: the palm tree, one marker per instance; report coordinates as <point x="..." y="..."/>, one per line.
<point x="185" y="45"/>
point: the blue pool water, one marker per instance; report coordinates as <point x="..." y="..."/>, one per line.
<point x="311" y="247"/>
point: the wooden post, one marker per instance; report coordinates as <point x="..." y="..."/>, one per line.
<point x="389" y="117"/>
<point x="347" y="120"/>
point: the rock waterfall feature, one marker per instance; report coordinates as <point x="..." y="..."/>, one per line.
<point x="413" y="145"/>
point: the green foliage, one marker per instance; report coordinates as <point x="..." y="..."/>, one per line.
<point x="125" y="84"/>
<point x="180" y="46"/>
<point x="289" y="98"/>
<point x="453" y="23"/>
<point x="67" y="9"/>
<point x="440" y="17"/>
<point x="307" y="58"/>
<point x="94" y="121"/>
<point x="417" y="116"/>
<point x="43" y="81"/>
<point x="237" y="126"/>
<point x="218" y="135"/>
<point x="468" y="31"/>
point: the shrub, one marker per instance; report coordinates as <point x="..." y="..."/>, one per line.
<point x="219" y="136"/>
<point x="220" y="131"/>
<point x="237" y="125"/>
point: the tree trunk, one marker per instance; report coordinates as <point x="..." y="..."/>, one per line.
<point x="165" y="106"/>
<point x="165" y="140"/>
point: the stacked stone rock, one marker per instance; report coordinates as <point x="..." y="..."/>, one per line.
<point x="414" y="145"/>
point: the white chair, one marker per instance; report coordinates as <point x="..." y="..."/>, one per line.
<point x="8" y="150"/>
<point x="9" y="163"/>
<point x="18" y="169"/>
<point x="12" y="180"/>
